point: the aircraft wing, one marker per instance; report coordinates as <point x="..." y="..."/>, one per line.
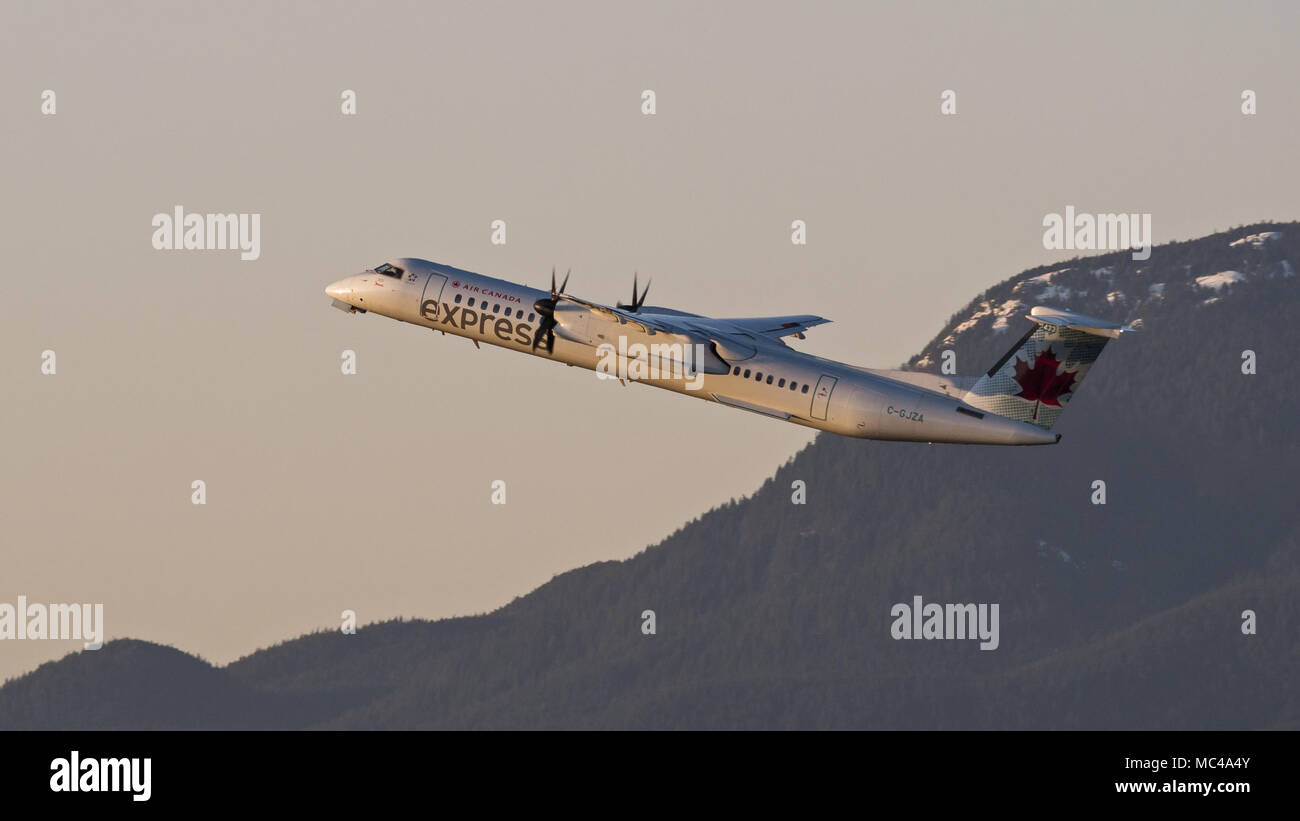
<point x="649" y="319"/>
<point x="730" y="339"/>
<point x="773" y="327"/>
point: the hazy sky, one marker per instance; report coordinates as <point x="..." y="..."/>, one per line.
<point x="372" y="492"/>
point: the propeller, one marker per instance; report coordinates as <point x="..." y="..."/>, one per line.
<point x="546" y="309"/>
<point x="637" y="302"/>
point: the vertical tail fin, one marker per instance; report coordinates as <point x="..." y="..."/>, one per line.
<point x="1036" y="378"/>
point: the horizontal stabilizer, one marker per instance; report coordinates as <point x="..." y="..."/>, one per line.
<point x="1078" y="322"/>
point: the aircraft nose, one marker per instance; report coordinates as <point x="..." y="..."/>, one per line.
<point x="340" y="290"/>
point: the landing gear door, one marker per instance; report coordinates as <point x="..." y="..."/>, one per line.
<point x="822" y="396"/>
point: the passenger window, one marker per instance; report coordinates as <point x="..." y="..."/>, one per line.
<point x="496" y="309"/>
<point x="794" y="385"/>
<point x="746" y="373"/>
<point x="458" y="296"/>
<point x="736" y="371"/>
<point x="769" y="379"/>
<point x="758" y="377"/>
<point x="804" y="389"/>
<point x="471" y="302"/>
<point x="530" y="316"/>
<point x="781" y="384"/>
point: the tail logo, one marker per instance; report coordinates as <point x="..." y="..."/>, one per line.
<point x="1041" y="384"/>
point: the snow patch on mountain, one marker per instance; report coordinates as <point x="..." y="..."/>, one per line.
<point x="1216" y="282"/>
<point x="1256" y="240"/>
<point x="1042" y="280"/>
<point x="963" y="327"/>
<point x="1000" y="313"/>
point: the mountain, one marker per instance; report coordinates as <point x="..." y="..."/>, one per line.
<point x="1127" y="614"/>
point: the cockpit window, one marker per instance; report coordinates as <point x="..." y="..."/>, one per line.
<point x="388" y="269"/>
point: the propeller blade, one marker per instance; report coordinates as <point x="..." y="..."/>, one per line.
<point x="638" y="299"/>
<point x="546" y="309"/>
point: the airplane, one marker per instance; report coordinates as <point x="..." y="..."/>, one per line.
<point x="745" y="363"/>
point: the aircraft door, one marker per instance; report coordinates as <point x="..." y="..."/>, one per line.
<point x="822" y="396"/>
<point x="432" y="296"/>
<point x="433" y="287"/>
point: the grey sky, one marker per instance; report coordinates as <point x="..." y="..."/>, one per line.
<point x="371" y="492"/>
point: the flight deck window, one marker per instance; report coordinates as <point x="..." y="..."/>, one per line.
<point x="389" y="270"/>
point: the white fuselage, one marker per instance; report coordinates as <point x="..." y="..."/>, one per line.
<point x="764" y="376"/>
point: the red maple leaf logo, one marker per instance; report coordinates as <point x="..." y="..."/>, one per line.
<point x="1041" y="384"/>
